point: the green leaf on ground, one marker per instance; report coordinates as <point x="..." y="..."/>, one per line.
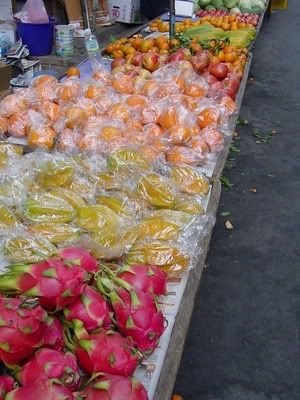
<point x="225" y="213"/>
<point x="226" y="182"/>
<point x="262" y="138"/>
<point x="242" y="122"/>
<point x="234" y="149"/>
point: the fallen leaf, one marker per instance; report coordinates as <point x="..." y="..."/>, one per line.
<point x="225" y="213"/>
<point x="273" y="131"/>
<point x="253" y="190"/>
<point x="235" y="134"/>
<point x="228" y="225"/>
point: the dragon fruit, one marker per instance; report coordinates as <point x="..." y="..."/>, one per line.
<point x="47" y="390"/>
<point x="76" y="256"/>
<point x="138" y="316"/>
<point x="54" y="334"/>
<point x="107" y="351"/>
<point x="90" y="311"/>
<point x="51" y="364"/>
<point x="147" y="278"/>
<point x="21" y="329"/>
<point x="55" y="283"/>
<point x="113" y="387"/>
<point x="7" y="384"/>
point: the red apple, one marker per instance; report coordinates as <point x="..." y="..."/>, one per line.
<point x="137" y="59"/>
<point x="230" y="92"/>
<point x="175" y="57"/>
<point x="231" y="83"/>
<point x="186" y="52"/>
<point x="117" y="62"/>
<point x="151" y="61"/>
<point x="219" y="70"/>
<point x="210" y="79"/>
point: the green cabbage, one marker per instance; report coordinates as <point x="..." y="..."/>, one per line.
<point x="217" y="3"/>
<point x="210" y="8"/>
<point x="235" y="10"/>
<point x="203" y="3"/>
<point x="230" y="3"/>
<point x="244" y="4"/>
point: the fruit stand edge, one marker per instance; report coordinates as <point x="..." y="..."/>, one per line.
<point x="172" y="360"/>
<point x="233" y="123"/>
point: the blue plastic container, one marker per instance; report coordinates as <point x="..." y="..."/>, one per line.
<point x="37" y="37"/>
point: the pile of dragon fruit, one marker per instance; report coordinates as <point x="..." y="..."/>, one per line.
<point x="73" y="329"/>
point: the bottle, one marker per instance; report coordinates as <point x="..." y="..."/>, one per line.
<point x="93" y="49"/>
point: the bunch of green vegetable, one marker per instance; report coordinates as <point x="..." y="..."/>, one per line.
<point x="234" y="6"/>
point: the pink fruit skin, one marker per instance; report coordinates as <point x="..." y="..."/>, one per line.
<point x="53" y="334"/>
<point x="138" y="317"/>
<point x="91" y="309"/>
<point x="42" y="390"/>
<point x="113" y="387"/>
<point x="51" y="364"/>
<point x="147" y="278"/>
<point x="107" y="351"/>
<point x="7" y="384"/>
<point x="21" y="330"/>
<point x="55" y="283"/>
<point x="81" y="257"/>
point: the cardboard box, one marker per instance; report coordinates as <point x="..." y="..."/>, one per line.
<point x="127" y="11"/>
<point x="5" y="76"/>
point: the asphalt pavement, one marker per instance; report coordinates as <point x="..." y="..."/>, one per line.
<point x="242" y="342"/>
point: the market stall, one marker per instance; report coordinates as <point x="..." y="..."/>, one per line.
<point x="109" y="190"/>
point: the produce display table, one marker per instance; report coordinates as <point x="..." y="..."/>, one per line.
<point x="158" y="372"/>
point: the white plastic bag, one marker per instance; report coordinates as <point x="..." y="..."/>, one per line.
<point x="33" y="12"/>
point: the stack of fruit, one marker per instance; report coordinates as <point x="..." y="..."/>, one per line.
<point x="74" y="329"/>
<point x="120" y="208"/>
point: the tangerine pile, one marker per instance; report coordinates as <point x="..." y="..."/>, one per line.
<point x="169" y="114"/>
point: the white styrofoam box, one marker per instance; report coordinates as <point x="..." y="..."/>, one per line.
<point x="5" y="10"/>
<point x="184" y="8"/>
<point x="8" y="30"/>
<point x="125" y="10"/>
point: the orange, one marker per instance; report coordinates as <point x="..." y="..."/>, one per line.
<point x="12" y="104"/>
<point x="136" y="43"/>
<point x="50" y="110"/>
<point x="228" y="103"/>
<point x="149" y="115"/>
<point x="73" y="71"/>
<point x="123" y="83"/>
<point x="74" y="116"/>
<point x="168" y="119"/>
<point x="68" y="91"/>
<point x="43" y="137"/>
<point x="179" y="82"/>
<point x="150" y="153"/>
<point x="194" y="90"/>
<point x="152" y="130"/>
<point x="110" y="132"/>
<point x="87" y="105"/>
<point x="45" y="92"/>
<point x="93" y="91"/>
<point x="209" y="116"/>
<point x="102" y="76"/>
<point x="133" y="123"/>
<point x="89" y="142"/>
<point x="45" y="80"/>
<point x="213" y="137"/>
<point x="181" y="155"/>
<point x="199" y="145"/>
<point x="149" y="88"/>
<point x="17" y="124"/>
<point x="136" y="101"/>
<point x="3" y="125"/>
<point x="120" y="111"/>
<point x="179" y="134"/>
<point x="159" y="145"/>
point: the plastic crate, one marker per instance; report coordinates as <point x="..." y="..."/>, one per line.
<point x="281" y="4"/>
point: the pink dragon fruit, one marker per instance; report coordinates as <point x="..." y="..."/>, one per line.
<point x="107" y="351"/>
<point x="54" y="334"/>
<point x="21" y="329"/>
<point x="90" y="311"/>
<point x="41" y="390"/>
<point x="113" y="387"/>
<point x="76" y="256"/>
<point x="55" y="283"/>
<point x="51" y="364"/>
<point x="7" y="384"/>
<point x="138" y="316"/>
<point x="147" y="278"/>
